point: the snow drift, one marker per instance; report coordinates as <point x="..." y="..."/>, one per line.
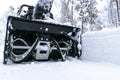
<point x="103" y="46"/>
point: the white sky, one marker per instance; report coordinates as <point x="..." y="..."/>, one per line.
<point x="101" y="4"/>
<point x="4" y="4"/>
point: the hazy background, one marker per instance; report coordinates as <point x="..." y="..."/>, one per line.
<point x="4" y="4"/>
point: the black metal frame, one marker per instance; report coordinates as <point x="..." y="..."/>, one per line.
<point x="30" y="30"/>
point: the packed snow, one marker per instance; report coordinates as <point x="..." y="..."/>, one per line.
<point x="103" y="46"/>
<point x="99" y="61"/>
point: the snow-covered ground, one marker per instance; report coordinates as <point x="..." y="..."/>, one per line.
<point x="102" y="46"/>
<point x="100" y="61"/>
<point x="69" y="70"/>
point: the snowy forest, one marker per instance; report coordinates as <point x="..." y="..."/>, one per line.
<point x="89" y="15"/>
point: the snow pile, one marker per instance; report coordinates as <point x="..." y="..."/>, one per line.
<point x="69" y="70"/>
<point x="103" y="46"/>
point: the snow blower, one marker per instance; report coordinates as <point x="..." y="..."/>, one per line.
<point x="30" y="37"/>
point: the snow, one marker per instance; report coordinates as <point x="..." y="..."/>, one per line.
<point x="70" y="70"/>
<point x="52" y="21"/>
<point x="102" y="4"/>
<point x="103" y="46"/>
<point x="100" y="59"/>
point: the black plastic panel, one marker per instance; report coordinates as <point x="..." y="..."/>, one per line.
<point x="39" y="26"/>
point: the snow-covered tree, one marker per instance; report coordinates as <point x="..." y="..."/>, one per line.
<point x="3" y="22"/>
<point x="88" y="15"/>
<point x="70" y="11"/>
<point x="112" y="13"/>
<point x="107" y="13"/>
<point x="83" y="19"/>
<point x="93" y="14"/>
<point x="65" y="11"/>
<point x="113" y="16"/>
<point x="118" y="10"/>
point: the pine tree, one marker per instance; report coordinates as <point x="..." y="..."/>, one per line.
<point x="65" y="11"/>
<point x="113" y="18"/>
<point x="88" y="14"/>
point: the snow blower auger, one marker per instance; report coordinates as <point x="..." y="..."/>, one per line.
<point x="28" y="38"/>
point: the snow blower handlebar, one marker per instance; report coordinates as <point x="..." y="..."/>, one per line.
<point x="28" y="13"/>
